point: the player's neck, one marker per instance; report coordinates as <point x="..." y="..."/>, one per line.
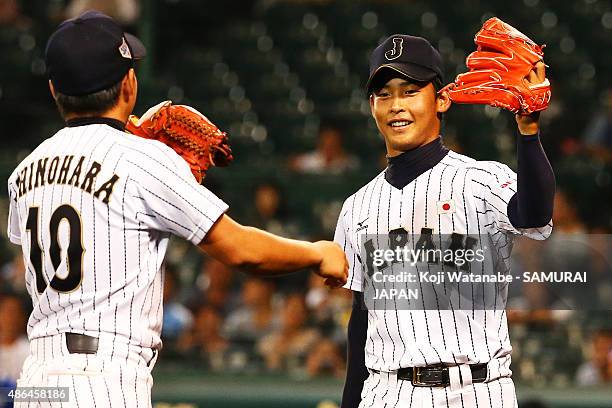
<point x="406" y="167"/>
<point x="114" y="118"/>
<point x="119" y="113"/>
<point x="85" y="120"/>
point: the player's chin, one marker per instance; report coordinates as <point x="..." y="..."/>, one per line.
<point x="402" y="141"/>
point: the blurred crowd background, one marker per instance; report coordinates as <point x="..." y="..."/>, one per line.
<point x="285" y="79"/>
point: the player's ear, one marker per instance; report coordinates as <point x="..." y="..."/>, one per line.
<point x="52" y="89"/>
<point x="132" y="77"/>
<point x="443" y="102"/>
<point x="129" y="85"/>
<point x="371" y="98"/>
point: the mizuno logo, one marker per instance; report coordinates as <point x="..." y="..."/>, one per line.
<point x="361" y="226"/>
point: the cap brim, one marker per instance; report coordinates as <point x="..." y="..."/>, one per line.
<point x="136" y="46"/>
<point x="412" y="71"/>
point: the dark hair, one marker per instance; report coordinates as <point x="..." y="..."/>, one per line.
<point x="437" y="83"/>
<point x="93" y="104"/>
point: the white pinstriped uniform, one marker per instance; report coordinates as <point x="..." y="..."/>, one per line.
<point x="125" y="195"/>
<point x="477" y="193"/>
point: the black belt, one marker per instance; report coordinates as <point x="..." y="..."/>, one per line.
<point x="437" y="376"/>
<point x="81" y="344"/>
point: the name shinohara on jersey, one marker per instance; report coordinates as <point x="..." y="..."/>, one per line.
<point x="95" y="267"/>
<point x="49" y="171"/>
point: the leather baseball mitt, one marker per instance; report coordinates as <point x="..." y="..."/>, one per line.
<point x="498" y="71"/>
<point x="195" y="138"/>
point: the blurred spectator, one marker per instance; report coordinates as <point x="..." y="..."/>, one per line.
<point x="177" y="318"/>
<point x="325" y="358"/>
<point x="330" y="157"/>
<point x="9" y="12"/>
<point x="205" y="339"/>
<point x="255" y="317"/>
<point x="537" y="307"/>
<point x="14" y="345"/>
<point x="13" y="21"/>
<point x="125" y="12"/>
<point x="215" y="283"/>
<point x="287" y="347"/>
<point x="598" y="134"/>
<point x="270" y="212"/>
<point x="330" y="308"/>
<point x="543" y="304"/>
<point x="565" y="215"/>
<point x="12" y="274"/>
<point x="600" y="245"/>
<point x="596" y="370"/>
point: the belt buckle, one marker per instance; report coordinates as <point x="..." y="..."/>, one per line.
<point x="81" y="344"/>
<point x="418" y="382"/>
<point x="416" y="378"/>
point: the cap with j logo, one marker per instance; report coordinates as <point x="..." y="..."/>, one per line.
<point x="412" y="57"/>
<point x="90" y="53"/>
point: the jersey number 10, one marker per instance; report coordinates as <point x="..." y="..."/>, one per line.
<point x="74" y="252"/>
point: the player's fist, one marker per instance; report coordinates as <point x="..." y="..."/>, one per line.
<point x="333" y="266"/>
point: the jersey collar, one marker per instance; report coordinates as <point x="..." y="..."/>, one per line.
<point x="114" y="123"/>
<point x="406" y="167"/>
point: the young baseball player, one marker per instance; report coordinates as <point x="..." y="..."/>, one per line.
<point x="93" y="208"/>
<point x="434" y="357"/>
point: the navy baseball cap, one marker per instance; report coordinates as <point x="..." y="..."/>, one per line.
<point x="412" y="57"/>
<point x="90" y="53"/>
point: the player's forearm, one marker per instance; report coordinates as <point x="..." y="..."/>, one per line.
<point x="268" y="254"/>
<point x="257" y="251"/>
<point x="263" y="253"/>
<point x="532" y="205"/>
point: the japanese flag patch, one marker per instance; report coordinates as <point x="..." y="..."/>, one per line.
<point x="446" y="207"/>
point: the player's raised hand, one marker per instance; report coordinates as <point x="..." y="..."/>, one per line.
<point x="528" y="124"/>
<point x="333" y="266"/>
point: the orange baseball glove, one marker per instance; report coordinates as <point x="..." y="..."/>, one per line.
<point x="498" y="71"/>
<point x="195" y="138"/>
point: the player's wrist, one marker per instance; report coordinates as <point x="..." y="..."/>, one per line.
<point x="317" y="249"/>
<point x="528" y="125"/>
<point x="529" y="130"/>
<point x="528" y="135"/>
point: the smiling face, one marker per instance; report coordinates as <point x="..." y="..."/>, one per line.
<point x="406" y="113"/>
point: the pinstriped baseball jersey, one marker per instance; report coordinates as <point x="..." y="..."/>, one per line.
<point x="92" y="208"/>
<point x="458" y="195"/>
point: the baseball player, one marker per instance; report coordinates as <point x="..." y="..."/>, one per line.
<point x="428" y="357"/>
<point x="93" y="208"/>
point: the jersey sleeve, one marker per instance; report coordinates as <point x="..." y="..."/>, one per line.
<point x="13" y="230"/>
<point x="342" y="237"/>
<point x="496" y="192"/>
<point x="172" y="199"/>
